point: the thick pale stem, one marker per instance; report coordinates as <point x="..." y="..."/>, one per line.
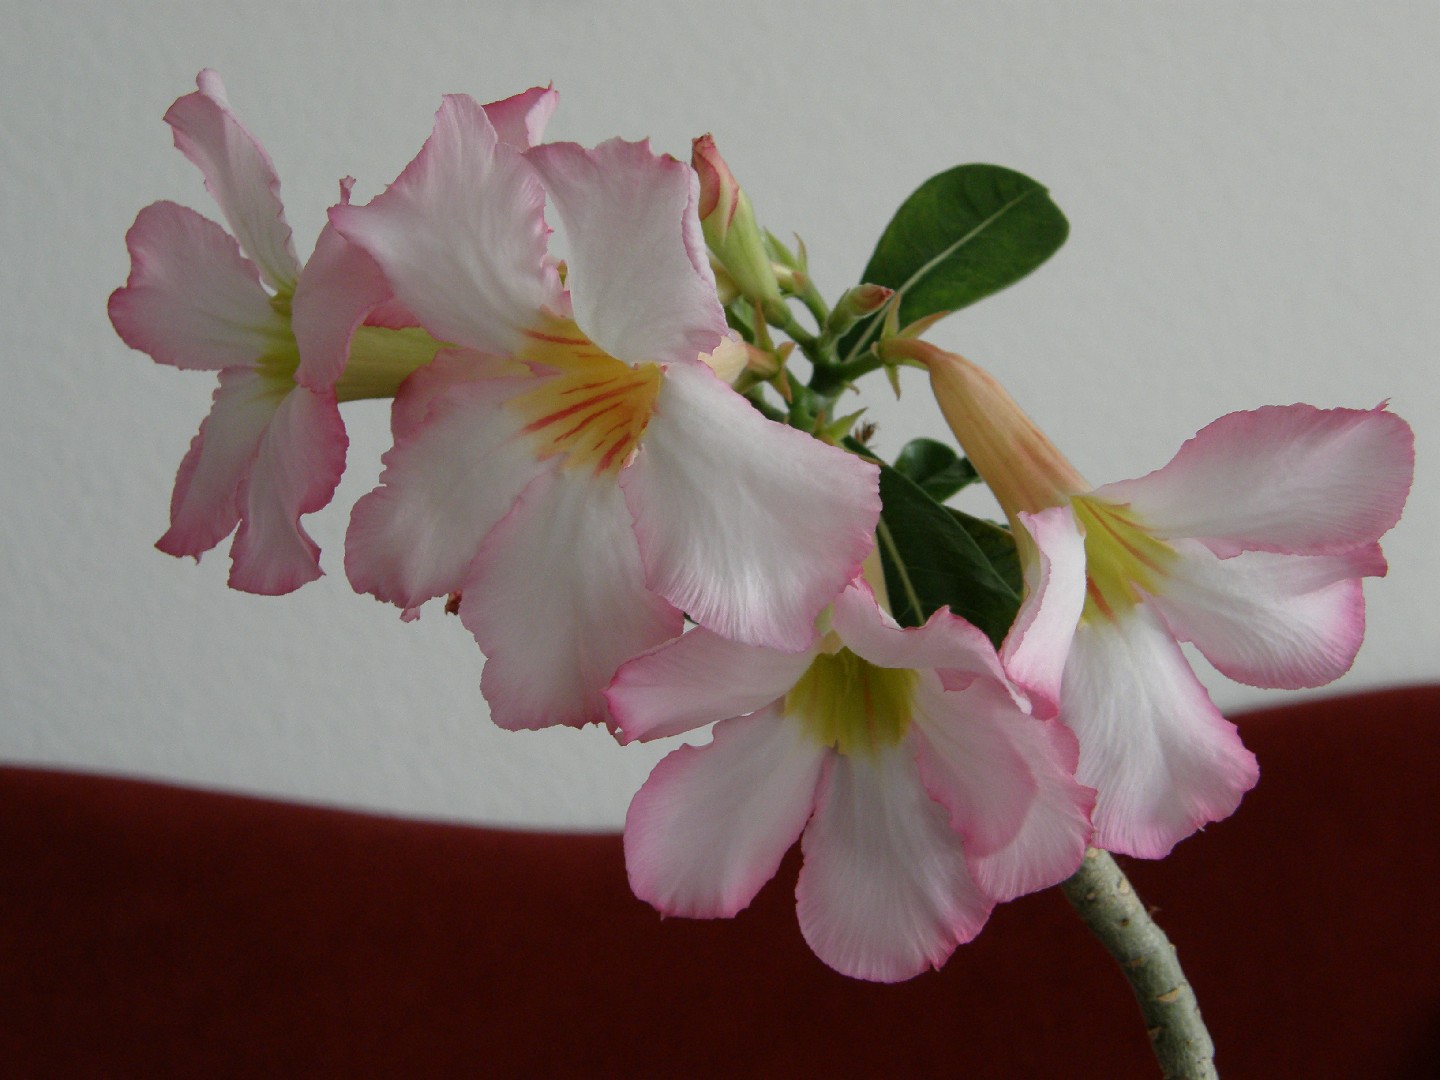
<point x="1102" y="895"/>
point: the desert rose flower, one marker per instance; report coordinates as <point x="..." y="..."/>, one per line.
<point x="279" y="336"/>
<point x="927" y="783"/>
<point x="575" y="470"/>
<point x="1250" y="544"/>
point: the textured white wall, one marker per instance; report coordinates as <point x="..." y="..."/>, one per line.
<point x="1254" y="206"/>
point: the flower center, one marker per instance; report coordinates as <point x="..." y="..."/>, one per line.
<point x="1123" y="561"/>
<point x="593" y="409"/>
<point x="852" y="705"/>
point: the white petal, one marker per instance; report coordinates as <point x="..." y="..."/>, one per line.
<point x="461" y="234"/>
<point x="1283" y="621"/>
<point x="1035" y="649"/>
<point x="239" y="176"/>
<point x="639" y="277"/>
<point x="557" y="600"/>
<point x="885" y="891"/>
<point x="1161" y="757"/>
<point x="1292" y="479"/>
<point x="697" y="679"/>
<point x="338" y="287"/>
<point x="748" y="526"/>
<point x="712" y="823"/>
<point x="447" y="482"/>
<point x="192" y="299"/>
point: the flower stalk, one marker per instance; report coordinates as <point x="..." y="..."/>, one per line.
<point x="1102" y="895"/>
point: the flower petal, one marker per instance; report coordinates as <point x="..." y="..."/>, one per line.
<point x="205" y="505"/>
<point x="1035" y="649"/>
<point x="774" y="523"/>
<point x="885" y="891"/>
<point x="639" y="277"/>
<point x="697" y="679"/>
<point x="461" y="234"/>
<point x="338" y="287"/>
<point x="239" y="176"/>
<point x="447" y="482"/>
<point x="712" y="823"/>
<point x="557" y="600"/>
<point x="192" y="300"/>
<point x="1163" y="760"/>
<point x="1292" y="479"/>
<point x="1008" y="781"/>
<point x="1283" y="621"/>
<point x="296" y="468"/>
<point x="520" y="120"/>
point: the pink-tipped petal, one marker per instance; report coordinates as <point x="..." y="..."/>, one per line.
<point x="556" y="599"/>
<point x="697" y="679"/>
<point x="712" y="823"/>
<point x="1282" y="621"/>
<point x="1162" y="759"/>
<point x="461" y="234"/>
<point x="772" y="524"/>
<point x="1035" y="649"/>
<point x="192" y="300"/>
<point x="1291" y="479"/>
<point x="447" y="482"/>
<point x="239" y="176"/>
<point x="297" y="465"/>
<point x="431" y="385"/>
<point x="885" y="891"/>
<point x="946" y="642"/>
<point x="206" y="503"/>
<point x="639" y="278"/>
<point x="520" y="120"/>
<point x="1008" y="781"/>
<point x="338" y="287"/>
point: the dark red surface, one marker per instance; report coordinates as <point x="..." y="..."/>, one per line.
<point x="152" y="931"/>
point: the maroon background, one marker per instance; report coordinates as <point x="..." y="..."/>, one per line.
<point x="153" y="931"/>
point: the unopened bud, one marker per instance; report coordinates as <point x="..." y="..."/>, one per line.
<point x="729" y="225"/>
<point x="857" y="303"/>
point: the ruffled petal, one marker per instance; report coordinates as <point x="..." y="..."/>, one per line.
<point x="239" y="176"/>
<point x="297" y="466"/>
<point x="946" y="642"/>
<point x="430" y="385"/>
<point x="885" y="891"/>
<point x="520" y="121"/>
<point x="712" y="823"/>
<point x="338" y="287"/>
<point x="1161" y="757"/>
<point x="192" y="300"/>
<point x="639" y="278"/>
<point x="447" y="482"/>
<point x="1035" y="649"/>
<point x="1282" y="621"/>
<point x="461" y="234"/>
<point x="1292" y="479"/>
<point x="205" y="505"/>
<point x="556" y="599"/>
<point x="1008" y="781"/>
<point x="697" y="679"/>
<point x="774" y="523"/>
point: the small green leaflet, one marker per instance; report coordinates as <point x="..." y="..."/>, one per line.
<point x="935" y="467"/>
<point x="967" y="233"/>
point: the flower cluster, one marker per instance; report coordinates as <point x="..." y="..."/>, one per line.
<point x="608" y="467"/>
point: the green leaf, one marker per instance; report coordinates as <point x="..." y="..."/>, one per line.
<point x="931" y="561"/>
<point x="961" y="236"/>
<point x="935" y="467"/>
<point x="998" y="545"/>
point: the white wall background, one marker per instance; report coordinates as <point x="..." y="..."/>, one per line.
<point x="1254" y="192"/>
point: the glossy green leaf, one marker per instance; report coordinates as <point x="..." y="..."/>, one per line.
<point x="962" y="235"/>
<point x="935" y="467"/>
<point x="931" y="561"/>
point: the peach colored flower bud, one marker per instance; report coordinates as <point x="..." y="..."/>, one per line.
<point x="729" y="225"/>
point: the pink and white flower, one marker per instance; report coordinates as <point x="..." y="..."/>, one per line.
<point x="927" y="784"/>
<point x="575" y="470"/>
<point x="273" y="447"/>
<point x="1250" y="544"/>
